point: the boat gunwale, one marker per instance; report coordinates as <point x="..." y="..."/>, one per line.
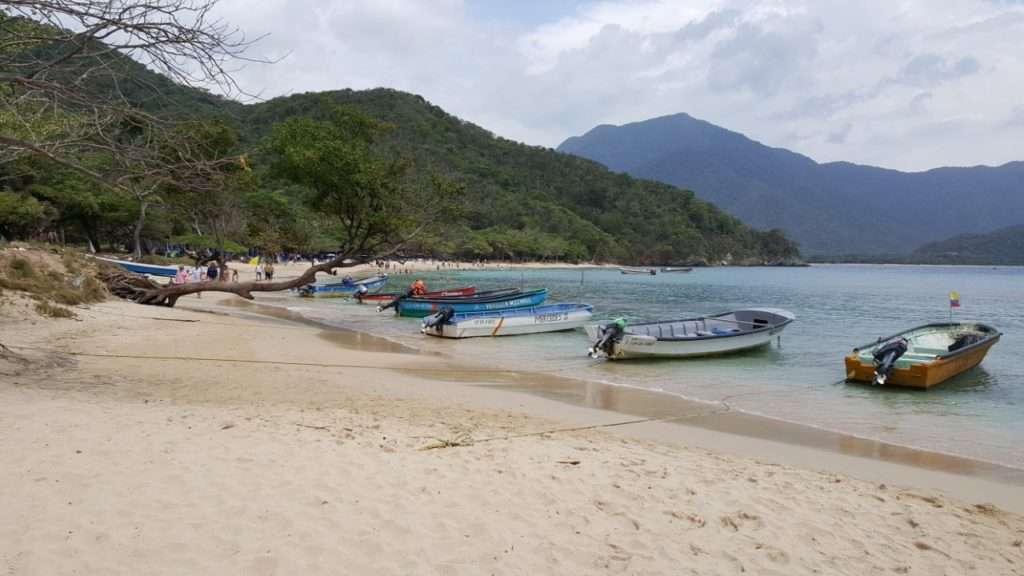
<point x="468" y="299"/>
<point x="993" y="338"/>
<point x="383" y="278"/>
<point x="712" y="336"/>
<point x="530" y="311"/>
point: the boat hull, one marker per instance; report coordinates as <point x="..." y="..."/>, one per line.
<point x="535" y="320"/>
<point x="920" y="374"/>
<point x="389" y="296"/>
<point x="639" y="346"/>
<point x="724" y="333"/>
<point x="340" y="289"/>
<point x="420" y="307"/>
<point x="140" y="268"/>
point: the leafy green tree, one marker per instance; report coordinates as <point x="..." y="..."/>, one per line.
<point x="22" y="216"/>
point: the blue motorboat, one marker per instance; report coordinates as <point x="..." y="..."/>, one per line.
<point x="420" y="307"/>
<point x="140" y="268"/>
<point x="343" y="288"/>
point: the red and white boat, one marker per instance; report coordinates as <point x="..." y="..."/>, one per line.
<point x="391" y="296"/>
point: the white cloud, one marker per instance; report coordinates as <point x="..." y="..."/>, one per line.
<point x="907" y="85"/>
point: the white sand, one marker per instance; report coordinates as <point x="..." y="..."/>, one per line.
<point x="145" y="466"/>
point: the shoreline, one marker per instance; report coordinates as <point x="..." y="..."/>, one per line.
<point x="666" y="411"/>
<point x="208" y="438"/>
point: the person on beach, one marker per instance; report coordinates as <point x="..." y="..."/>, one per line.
<point x="196" y="275"/>
<point x="418" y="288"/>
<point x="234" y="275"/>
<point x="259" y="271"/>
<point x="268" y="270"/>
<point x="181" y="276"/>
<point x="212" y="272"/>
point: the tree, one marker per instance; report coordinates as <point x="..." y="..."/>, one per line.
<point x="66" y="67"/>
<point x="21" y="215"/>
<point x="367" y="199"/>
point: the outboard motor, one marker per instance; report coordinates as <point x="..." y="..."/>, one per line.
<point x="394" y="302"/>
<point x="439" y="319"/>
<point x="361" y="291"/>
<point x="609" y="334"/>
<point x="886" y="356"/>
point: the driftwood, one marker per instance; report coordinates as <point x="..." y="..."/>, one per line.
<point x="140" y="289"/>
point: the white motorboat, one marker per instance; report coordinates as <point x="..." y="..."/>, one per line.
<point x="534" y="320"/>
<point x="702" y="336"/>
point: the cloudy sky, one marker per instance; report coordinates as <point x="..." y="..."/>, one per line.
<point x="908" y="84"/>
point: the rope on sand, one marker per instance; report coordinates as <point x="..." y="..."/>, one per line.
<point x="276" y="362"/>
<point x="724" y="403"/>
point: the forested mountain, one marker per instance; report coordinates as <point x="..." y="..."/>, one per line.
<point x="525" y="200"/>
<point x="519" y="201"/>
<point x="1004" y="246"/>
<point x="829" y="209"/>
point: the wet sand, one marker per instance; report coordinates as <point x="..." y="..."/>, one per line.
<point x="206" y="439"/>
<point x="679" y="420"/>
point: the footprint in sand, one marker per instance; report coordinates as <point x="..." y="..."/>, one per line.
<point x="262" y="566"/>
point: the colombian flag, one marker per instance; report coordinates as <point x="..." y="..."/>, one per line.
<point x="954" y="299"/>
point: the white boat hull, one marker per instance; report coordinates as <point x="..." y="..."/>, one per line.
<point x="512" y="325"/>
<point x="694" y="343"/>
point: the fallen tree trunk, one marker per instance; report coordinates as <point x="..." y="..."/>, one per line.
<point x="138" y="288"/>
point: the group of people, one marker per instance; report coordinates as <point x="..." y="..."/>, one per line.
<point x="211" y="273"/>
<point x="264" y="270"/>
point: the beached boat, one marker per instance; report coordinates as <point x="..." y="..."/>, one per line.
<point x="341" y="289"/>
<point x="547" y="318"/>
<point x="702" y="336"/>
<point x="480" y="302"/>
<point x="389" y="296"/>
<point x="670" y="269"/>
<point x="140" y="268"/>
<point x="648" y="271"/>
<point x="922" y="357"/>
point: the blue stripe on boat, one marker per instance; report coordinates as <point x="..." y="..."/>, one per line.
<point x="532" y="311"/>
<point x="422" y="307"/>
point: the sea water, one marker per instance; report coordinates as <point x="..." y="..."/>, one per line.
<point x="799" y="378"/>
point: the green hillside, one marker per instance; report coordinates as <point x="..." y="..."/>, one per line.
<point x="519" y="201"/>
<point x="525" y="201"/>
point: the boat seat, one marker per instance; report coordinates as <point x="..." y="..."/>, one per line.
<point x="923" y="350"/>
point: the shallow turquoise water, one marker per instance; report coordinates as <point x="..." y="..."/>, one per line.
<point x="978" y="414"/>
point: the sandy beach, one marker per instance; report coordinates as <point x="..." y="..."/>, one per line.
<point x="215" y="439"/>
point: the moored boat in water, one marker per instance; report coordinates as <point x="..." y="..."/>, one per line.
<point x="389" y="296"/>
<point x="922" y="357"/>
<point x="140" y="268"/>
<point x="701" y="336"/>
<point x="538" y="319"/>
<point x="418" y="307"/>
<point x="343" y="288"/>
<point x="671" y="269"/>
<point x="645" y="271"/>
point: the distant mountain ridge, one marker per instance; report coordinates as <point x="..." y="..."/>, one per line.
<point x="833" y="208"/>
<point x="1004" y="246"/>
